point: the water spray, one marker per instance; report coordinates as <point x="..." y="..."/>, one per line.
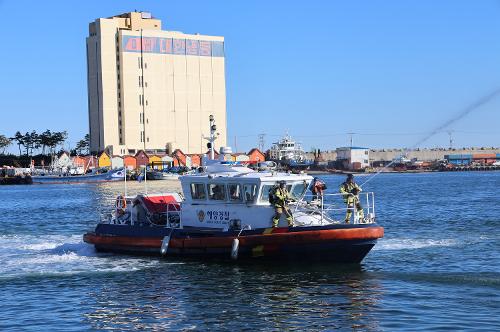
<point x="468" y="109"/>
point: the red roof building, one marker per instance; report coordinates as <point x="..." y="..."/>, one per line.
<point x="130" y="162"/>
<point x="141" y="158"/>
<point x="256" y="155"/>
<point x="179" y="158"/>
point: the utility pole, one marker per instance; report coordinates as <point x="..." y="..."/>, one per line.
<point x="450" y="133"/>
<point x="350" y="137"/>
<point x="261" y="142"/>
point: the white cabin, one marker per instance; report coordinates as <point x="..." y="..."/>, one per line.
<point x="228" y="196"/>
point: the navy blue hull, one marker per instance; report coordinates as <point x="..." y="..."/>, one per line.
<point x="50" y="179"/>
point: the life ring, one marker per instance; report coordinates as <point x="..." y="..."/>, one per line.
<point x="121" y="203"/>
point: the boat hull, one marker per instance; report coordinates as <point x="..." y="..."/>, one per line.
<point x="336" y="243"/>
<point x="49" y="179"/>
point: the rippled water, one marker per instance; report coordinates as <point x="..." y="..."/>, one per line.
<point x="438" y="267"/>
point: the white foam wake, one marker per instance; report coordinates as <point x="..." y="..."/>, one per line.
<point x="59" y="254"/>
<point x="401" y="244"/>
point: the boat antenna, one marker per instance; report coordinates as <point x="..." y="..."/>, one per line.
<point x="461" y="114"/>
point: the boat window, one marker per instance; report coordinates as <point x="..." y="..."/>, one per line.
<point x="298" y="189"/>
<point x="234" y="192"/>
<point x="217" y="191"/>
<point x="249" y="192"/>
<point x="198" y="191"/>
<point x="264" y="196"/>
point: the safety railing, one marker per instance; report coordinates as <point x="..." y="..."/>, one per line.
<point x="110" y="213"/>
<point x="329" y="208"/>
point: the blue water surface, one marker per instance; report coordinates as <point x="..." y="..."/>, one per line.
<point x="437" y="268"/>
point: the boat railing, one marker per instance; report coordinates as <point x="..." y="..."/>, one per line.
<point x="109" y="213"/>
<point x="328" y="208"/>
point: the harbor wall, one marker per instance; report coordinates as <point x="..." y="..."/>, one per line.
<point x="423" y="154"/>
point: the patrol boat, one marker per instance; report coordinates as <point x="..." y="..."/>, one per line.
<point x="225" y="212"/>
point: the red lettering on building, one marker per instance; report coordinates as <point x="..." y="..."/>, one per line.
<point x="165" y="45"/>
<point x="205" y="48"/>
<point x="133" y="44"/>
<point x="148" y="44"/>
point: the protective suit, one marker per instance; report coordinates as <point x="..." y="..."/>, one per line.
<point x="351" y="190"/>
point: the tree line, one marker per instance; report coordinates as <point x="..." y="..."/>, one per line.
<point x="47" y="141"/>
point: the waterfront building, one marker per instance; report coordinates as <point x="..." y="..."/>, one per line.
<point x="155" y="161"/>
<point x="130" y="162"/>
<point x="255" y="155"/>
<point x="78" y="161"/>
<point x="63" y="161"/>
<point x="151" y="89"/>
<point x="240" y="156"/>
<point x="117" y="162"/>
<point x="142" y="159"/>
<point x="104" y="160"/>
<point x="90" y="162"/>
<point x="353" y="157"/>
<point x="167" y="161"/>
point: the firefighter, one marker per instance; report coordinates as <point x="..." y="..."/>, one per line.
<point x="351" y="190"/>
<point x="280" y="197"/>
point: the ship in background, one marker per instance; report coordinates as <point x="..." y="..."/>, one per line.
<point x="289" y="154"/>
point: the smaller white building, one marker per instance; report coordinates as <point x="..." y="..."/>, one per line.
<point x="63" y="161"/>
<point x="353" y="157"/>
<point x="116" y="162"/>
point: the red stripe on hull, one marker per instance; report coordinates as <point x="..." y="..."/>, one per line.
<point x="273" y="239"/>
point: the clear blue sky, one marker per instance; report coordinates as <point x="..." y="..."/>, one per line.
<point x="389" y="70"/>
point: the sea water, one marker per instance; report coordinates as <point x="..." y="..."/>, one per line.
<point x="437" y="268"/>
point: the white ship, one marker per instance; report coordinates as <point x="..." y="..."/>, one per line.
<point x="287" y="152"/>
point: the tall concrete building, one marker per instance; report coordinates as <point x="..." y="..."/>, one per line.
<point x="152" y="89"/>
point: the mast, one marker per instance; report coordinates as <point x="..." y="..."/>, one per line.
<point x="213" y="136"/>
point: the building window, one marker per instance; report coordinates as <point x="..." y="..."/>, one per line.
<point x="146" y="102"/>
<point x="146" y="84"/>
<point x="140" y="100"/>
<point x="147" y="139"/>
<point x="139" y="62"/>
